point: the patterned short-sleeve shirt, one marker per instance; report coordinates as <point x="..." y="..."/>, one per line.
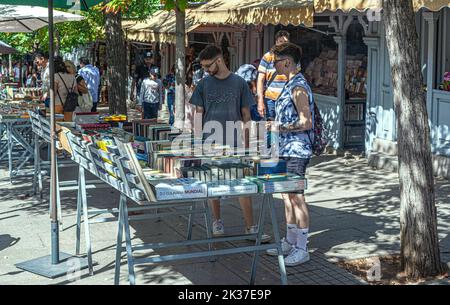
<point x="266" y="66"/>
<point x="295" y="144"/>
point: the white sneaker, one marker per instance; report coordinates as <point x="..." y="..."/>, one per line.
<point x="296" y="257"/>
<point x="217" y="228"/>
<point x="286" y="247"/>
<point x="254" y="230"/>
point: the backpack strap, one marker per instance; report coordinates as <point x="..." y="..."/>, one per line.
<point x="271" y="79"/>
<point x="57" y="91"/>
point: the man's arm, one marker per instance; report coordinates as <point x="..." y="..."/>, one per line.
<point x="260" y="93"/>
<point x="301" y="102"/>
<point x="198" y="126"/>
<point x="246" y="117"/>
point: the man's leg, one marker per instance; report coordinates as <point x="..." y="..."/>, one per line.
<point x="170" y="105"/>
<point x="270" y="109"/>
<point x="291" y="223"/>
<point x="300" y="210"/>
<point x="247" y="210"/>
<point x="270" y="116"/>
<point x="215" y="208"/>
<point x="147" y="110"/>
<point x="154" y="107"/>
<point x="217" y="226"/>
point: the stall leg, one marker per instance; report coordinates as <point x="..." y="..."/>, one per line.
<point x="258" y="240"/>
<point x="10" y="148"/>
<point x="119" y="244"/>
<point x="37" y="160"/>
<point x="189" y="234"/>
<point x="77" y="250"/>
<point x="86" y="220"/>
<point x="130" y="259"/>
<point x="276" y="235"/>
<point x="208" y="227"/>
<point x="58" y="198"/>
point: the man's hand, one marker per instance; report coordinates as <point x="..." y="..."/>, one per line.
<point x="261" y="108"/>
<point x="272" y="126"/>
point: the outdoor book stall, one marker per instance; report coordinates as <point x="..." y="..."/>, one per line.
<point x="148" y="173"/>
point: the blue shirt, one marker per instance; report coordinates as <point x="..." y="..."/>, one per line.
<point x="294" y="144"/>
<point x="91" y="76"/>
<point x="169" y="84"/>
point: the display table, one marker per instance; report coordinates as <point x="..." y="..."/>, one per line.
<point x="119" y="168"/>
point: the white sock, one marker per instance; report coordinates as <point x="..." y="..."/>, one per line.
<point x="302" y="238"/>
<point x="291" y="233"/>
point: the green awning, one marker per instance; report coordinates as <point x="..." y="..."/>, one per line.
<point x="82" y="5"/>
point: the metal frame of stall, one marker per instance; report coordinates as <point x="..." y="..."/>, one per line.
<point x="128" y="181"/>
<point x="86" y="155"/>
<point x="18" y="133"/>
<point x="41" y="130"/>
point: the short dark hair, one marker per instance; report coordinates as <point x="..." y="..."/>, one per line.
<point x="288" y="49"/>
<point x="84" y="61"/>
<point x="41" y="54"/>
<point x="60" y="66"/>
<point x="282" y="33"/>
<point x="210" y="52"/>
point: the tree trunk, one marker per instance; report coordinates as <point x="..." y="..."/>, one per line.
<point x="180" y="74"/>
<point x="420" y="255"/>
<point x="116" y="59"/>
<point x="58" y="42"/>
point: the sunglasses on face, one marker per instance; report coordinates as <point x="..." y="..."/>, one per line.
<point x="205" y="67"/>
<point x="278" y="60"/>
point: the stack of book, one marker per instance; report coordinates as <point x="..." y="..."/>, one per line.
<point x="231" y="187"/>
<point x="279" y="183"/>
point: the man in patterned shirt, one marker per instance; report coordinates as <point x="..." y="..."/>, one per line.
<point x="270" y="84"/>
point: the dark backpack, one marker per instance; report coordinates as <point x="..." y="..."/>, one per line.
<point x="71" y="102"/>
<point x="320" y="140"/>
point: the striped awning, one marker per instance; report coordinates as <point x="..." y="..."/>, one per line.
<point x="265" y="12"/>
<point x="362" y="5"/>
<point x="161" y="27"/>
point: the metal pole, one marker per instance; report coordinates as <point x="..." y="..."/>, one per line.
<point x="53" y="169"/>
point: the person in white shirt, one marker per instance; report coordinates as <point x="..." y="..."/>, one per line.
<point x="41" y="60"/>
<point x="91" y="76"/>
<point x="151" y="96"/>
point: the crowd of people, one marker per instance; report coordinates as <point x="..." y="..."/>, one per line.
<point x="272" y="90"/>
<point x="84" y="82"/>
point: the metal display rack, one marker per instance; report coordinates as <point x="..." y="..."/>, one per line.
<point x="121" y="171"/>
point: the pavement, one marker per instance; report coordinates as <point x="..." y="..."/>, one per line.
<point x="354" y="212"/>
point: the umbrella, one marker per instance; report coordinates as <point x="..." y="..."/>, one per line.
<point x="23" y="18"/>
<point x="6" y="48"/>
<point x="79" y="5"/>
<point x="51" y="266"/>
